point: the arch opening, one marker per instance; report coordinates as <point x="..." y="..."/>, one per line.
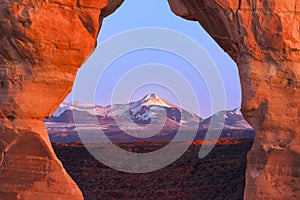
<point x="192" y="29"/>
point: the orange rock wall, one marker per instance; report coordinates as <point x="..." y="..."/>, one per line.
<point x="44" y="42"/>
<point x="263" y="38"/>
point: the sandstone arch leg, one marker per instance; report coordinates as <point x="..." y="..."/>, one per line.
<point x="263" y="38"/>
<point x="29" y="168"/>
<point x="43" y="43"/>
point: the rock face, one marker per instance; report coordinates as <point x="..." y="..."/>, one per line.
<point x="43" y="43"/>
<point x="263" y="38"/>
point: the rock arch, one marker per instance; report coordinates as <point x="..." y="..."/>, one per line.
<point x="263" y="38"/>
<point x="43" y="43"/>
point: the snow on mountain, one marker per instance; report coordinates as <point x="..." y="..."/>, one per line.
<point x="65" y="105"/>
<point x="233" y="119"/>
<point x="152" y="100"/>
<point x="87" y="107"/>
<point x="151" y="108"/>
<point x="119" y="119"/>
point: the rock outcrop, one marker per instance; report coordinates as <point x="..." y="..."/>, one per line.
<point x="43" y="43"/>
<point x="263" y="38"/>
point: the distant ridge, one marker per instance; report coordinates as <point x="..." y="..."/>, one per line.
<point x="151" y="109"/>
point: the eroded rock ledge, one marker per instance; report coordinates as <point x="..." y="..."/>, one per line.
<point x="263" y="37"/>
<point x="43" y="43"/>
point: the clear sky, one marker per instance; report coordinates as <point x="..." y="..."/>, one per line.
<point x="156" y="13"/>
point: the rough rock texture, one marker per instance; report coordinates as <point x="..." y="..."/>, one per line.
<point x="263" y="37"/>
<point x="43" y="43"/>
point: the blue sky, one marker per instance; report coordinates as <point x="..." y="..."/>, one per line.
<point x="156" y="13"/>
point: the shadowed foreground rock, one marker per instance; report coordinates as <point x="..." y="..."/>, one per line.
<point x="43" y="43"/>
<point x="263" y="37"/>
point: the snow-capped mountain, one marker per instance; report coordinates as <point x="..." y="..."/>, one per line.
<point x="79" y="106"/>
<point x="233" y="119"/>
<point x="120" y="119"/>
<point x="150" y="108"/>
<point x="153" y="108"/>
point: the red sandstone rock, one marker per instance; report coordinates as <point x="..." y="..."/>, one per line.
<point x="43" y="43"/>
<point x="263" y="37"/>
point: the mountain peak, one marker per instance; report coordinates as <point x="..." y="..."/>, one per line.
<point x="154" y="99"/>
<point x="151" y="96"/>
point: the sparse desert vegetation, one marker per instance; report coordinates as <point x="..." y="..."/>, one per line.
<point x="220" y="175"/>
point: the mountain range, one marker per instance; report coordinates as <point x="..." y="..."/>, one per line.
<point x="151" y="118"/>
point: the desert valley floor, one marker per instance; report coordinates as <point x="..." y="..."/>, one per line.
<point x="220" y="175"/>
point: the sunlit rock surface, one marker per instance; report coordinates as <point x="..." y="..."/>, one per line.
<point x="263" y="38"/>
<point x="43" y="43"/>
